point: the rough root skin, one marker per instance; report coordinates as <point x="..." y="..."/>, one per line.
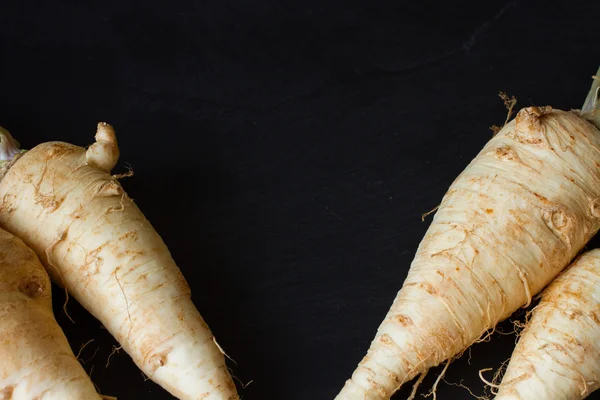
<point x="558" y="354"/>
<point x="100" y="247"/>
<point x="512" y="220"/>
<point x="36" y="359"/>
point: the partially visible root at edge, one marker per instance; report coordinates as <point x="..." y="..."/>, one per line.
<point x="413" y="393"/>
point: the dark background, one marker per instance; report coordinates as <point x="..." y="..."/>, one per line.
<point x="285" y="151"/>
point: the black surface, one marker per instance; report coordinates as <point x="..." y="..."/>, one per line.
<point x="286" y="150"/>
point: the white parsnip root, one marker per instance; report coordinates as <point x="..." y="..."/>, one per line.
<point x="36" y="361"/>
<point x="94" y="241"/>
<point x="508" y="225"/>
<point x="558" y="354"/>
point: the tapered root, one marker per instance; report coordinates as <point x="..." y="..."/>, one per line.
<point x="103" y="154"/>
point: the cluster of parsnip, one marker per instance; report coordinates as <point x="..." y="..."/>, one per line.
<point x="70" y="213"/>
<point x="506" y="230"/>
<point x="516" y="217"/>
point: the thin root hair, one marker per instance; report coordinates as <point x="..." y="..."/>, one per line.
<point x="415" y="387"/>
<point x="83" y="346"/>
<point x="115" y="350"/>
<point x="223" y="351"/>
<point x="490" y="384"/>
<point x="433" y="390"/>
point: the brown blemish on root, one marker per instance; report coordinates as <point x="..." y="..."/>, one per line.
<point x="77" y="213"/>
<point x="386" y="340"/>
<point x="6" y="393"/>
<point x="575" y="314"/>
<point x="180" y="316"/>
<point x="48" y="201"/>
<point x="506" y="153"/>
<point x="594" y="317"/>
<point x="528" y="122"/>
<point x="403" y="320"/>
<point x="31" y="288"/>
<point x="560" y="223"/>
<point x="133" y="235"/>
<point x="489" y="211"/>
<point x="131" y="253"/>
<point x="57" y="149"/>
<point x="595" y="207"/>
<point x="158" y="360"/>
<point x="429" y="288"/>
<point x="542" y="199"/>
<point x="559" y="219"/>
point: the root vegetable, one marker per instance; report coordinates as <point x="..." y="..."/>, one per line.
<point x="94" y="241"/>
<point x="558" y="354"/>
<point x="511" y="221"/>
<point x="36" y="359"/>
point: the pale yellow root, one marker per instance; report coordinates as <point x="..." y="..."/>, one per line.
<point x="558" y="354"/>
<point x="513" y="219"/>
<point x="36" y="359"/>
<point x="112" y="261"/>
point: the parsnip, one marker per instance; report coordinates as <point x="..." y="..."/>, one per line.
<point x="558" y="354"/>
<point x="512" y="220"/>
<point x="36" y="361"/>
<point x="93" y="240"/>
